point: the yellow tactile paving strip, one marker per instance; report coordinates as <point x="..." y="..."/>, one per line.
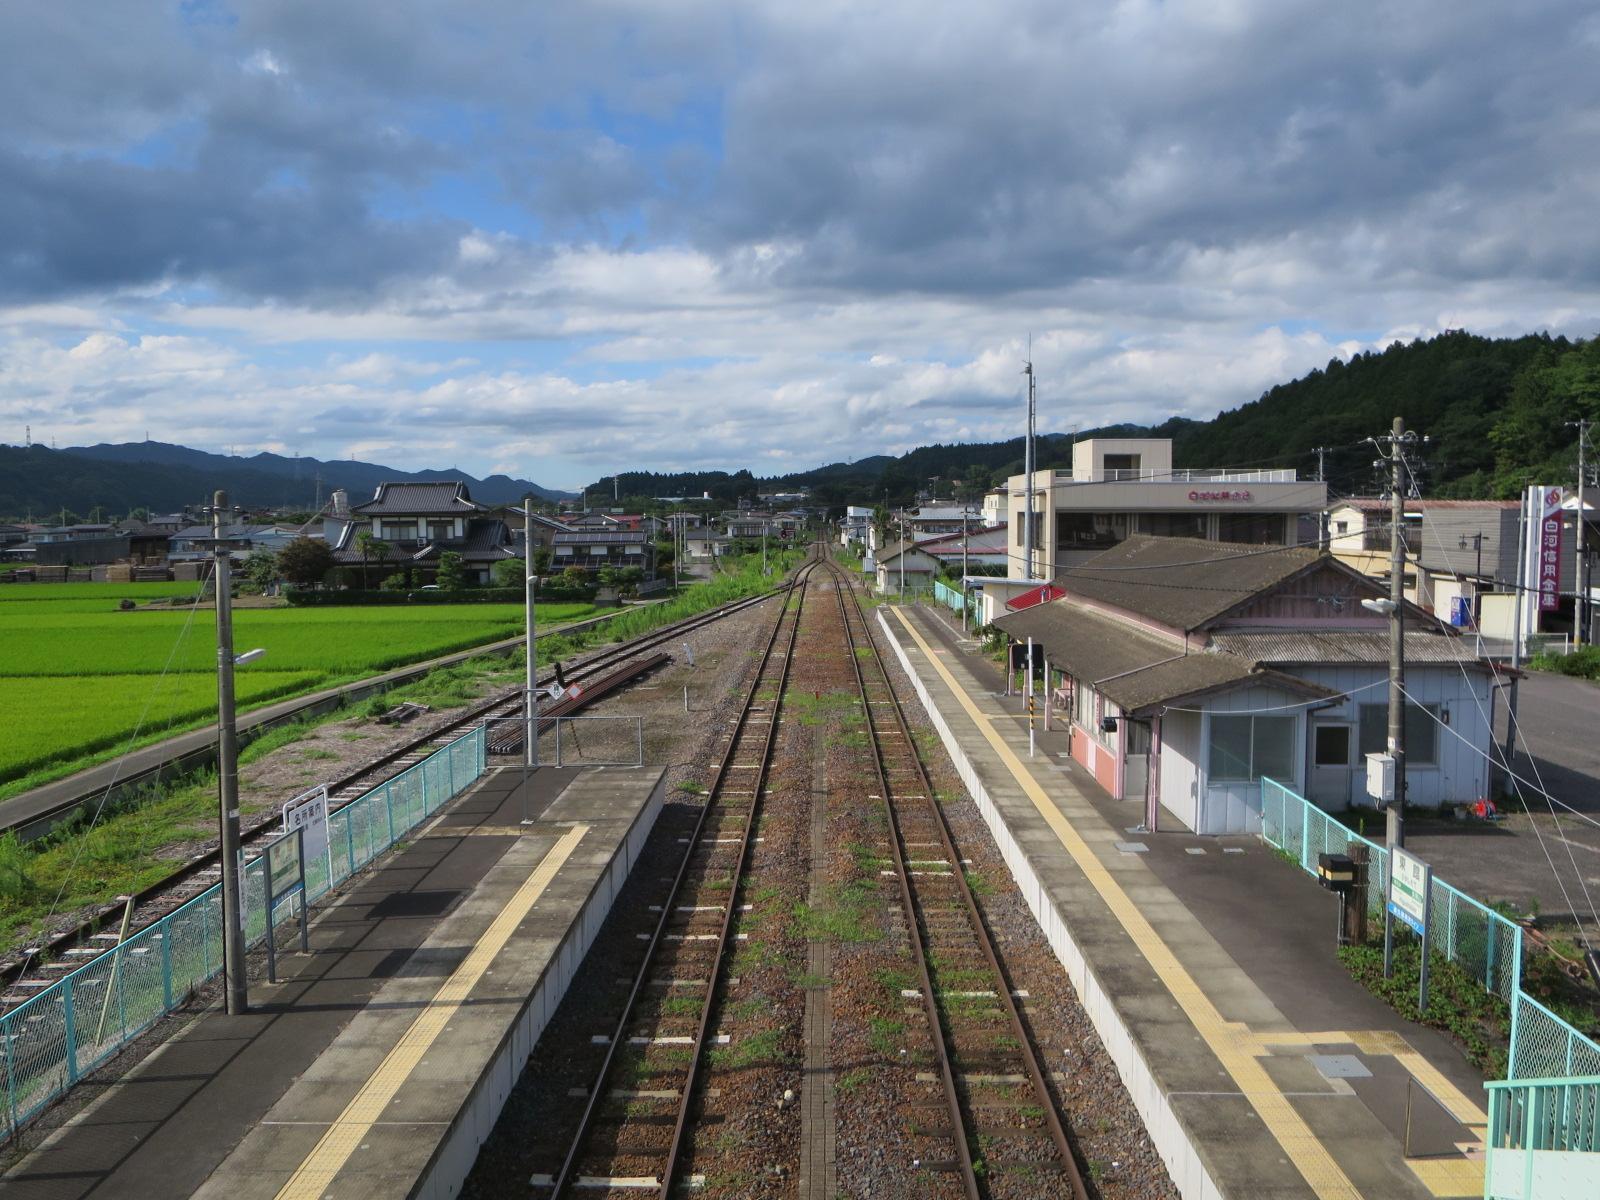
<point x="316" y="1174"/>
<point x="1301" y="1146"/>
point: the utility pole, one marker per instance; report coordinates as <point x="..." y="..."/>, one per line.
<point x="1580" y="609"/>
<point x="233" y="969"/>
<point x="530" y="704"/>
<point x="902" y="558"/>
<point x="1392" y="447"/>
<point x="1322" y="519"/>
<point x="963" y="568"/>
<point x="1027" y="472"/>
<point x="1394" y="825"/>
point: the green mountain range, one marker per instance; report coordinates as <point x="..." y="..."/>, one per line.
<point x="1497" y="414"/>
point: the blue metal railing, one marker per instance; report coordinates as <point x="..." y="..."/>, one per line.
<point x="1468" y="933"/>
<point x="51" y="1040"/>
<point x="952" y="598"/>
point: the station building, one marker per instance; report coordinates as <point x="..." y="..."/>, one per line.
<point x="1187" y="672"/>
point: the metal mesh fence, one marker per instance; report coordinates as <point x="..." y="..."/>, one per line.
<point x="1543" y="1046"/>
<point x="1480" y="941"/>
<point x="52" y="1039"/>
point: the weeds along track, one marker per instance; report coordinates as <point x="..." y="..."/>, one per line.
<point x="994" y="1110"/>
<point x="191" y="876"/>
<point x="665" y="1040"/>
<point x="799" y="993"/>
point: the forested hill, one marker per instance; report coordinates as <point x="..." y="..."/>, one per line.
<point x="1494" y="410"/>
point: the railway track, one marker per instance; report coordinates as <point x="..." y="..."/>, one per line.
<point x="41" y="965"/>
<point x="995" y="1094"/>
<point x="983" y="1122"/>
<point x="657" y="1040"/>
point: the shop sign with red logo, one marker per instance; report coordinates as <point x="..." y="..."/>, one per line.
<point x="1550" y="550"/>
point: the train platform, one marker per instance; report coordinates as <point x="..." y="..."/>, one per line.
<point x="1261" y="1068"/>
<point x="380" y="1062"/>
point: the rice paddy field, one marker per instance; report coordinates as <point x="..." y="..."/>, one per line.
<point x="81" y="680"/>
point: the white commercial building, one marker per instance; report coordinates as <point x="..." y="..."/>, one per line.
<point x="1123" y="486"/>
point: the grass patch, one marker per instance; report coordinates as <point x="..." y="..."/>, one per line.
<point x="851" y="1080"/>
<point x="844" y="915"/>
<point x="885" y="1036"/>
<point x="763" y="1047"/>
<point x="1457" y="1004"/>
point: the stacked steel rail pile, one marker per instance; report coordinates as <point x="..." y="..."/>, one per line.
<point x="622" y="1140"/>
<point x="985" y="1059"/>
<point x="600" y="672"/>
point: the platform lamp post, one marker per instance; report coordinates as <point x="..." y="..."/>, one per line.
<point x="233" y="968"/>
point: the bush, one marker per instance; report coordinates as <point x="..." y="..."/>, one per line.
<point x="1584" y="662"/>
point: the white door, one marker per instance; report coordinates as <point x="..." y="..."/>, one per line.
<point x="1333" y="766"/>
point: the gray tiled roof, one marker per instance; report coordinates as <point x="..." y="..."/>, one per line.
<point x="418" y="499"/>
<point x="1183" y="582"/>
<point x="1134" y="669"/>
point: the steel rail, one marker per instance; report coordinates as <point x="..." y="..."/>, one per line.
<point x="595" y="659"/>
<point x="980" y="930"/>
<point x="597" y="1093"/>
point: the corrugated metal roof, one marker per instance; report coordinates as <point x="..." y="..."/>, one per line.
<point x="1183" y="582"/>
<point x="1343" y="646"/>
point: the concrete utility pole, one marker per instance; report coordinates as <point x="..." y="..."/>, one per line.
<point x="1027" y="475"/>
<point x="1394" y="826"/>
<point x="902" y="558"/>
<point x="1580" y="609"/>
<point x="233" y="968"/>
<point x="530" y="704"/>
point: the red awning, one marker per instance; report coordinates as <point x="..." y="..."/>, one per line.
<point x="1039" y="595"/>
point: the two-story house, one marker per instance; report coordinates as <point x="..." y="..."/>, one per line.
<point x="420" y="523"/>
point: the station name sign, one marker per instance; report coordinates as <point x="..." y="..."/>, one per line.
<point x="1225" y="495"/>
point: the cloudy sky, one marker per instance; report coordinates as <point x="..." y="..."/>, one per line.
<point x="563" y="239"/>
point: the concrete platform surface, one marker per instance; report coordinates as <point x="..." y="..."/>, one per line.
<point x="381" y="1062"/>
<point x="1261" y="1068"/>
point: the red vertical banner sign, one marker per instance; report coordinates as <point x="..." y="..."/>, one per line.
<point x="1550" y="550"/>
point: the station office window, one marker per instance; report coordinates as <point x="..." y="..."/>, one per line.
<point x="1189" y="525"/>
<point x="1078" y="530"/>
<point x="1422" y="732"/>
<point x="1246" y="747"/>
<point x="1257" y="529"/>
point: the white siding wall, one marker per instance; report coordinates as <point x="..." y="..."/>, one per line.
<point x="1462" y="773"/>
<point x="1235" y="807"/>
<point x="1180" y="779"/>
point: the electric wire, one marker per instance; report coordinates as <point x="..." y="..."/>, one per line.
<point x="121" y="761"/>
<point x="1515" y="726"/>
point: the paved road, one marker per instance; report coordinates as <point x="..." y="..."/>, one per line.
<point x="1540" y="857"/>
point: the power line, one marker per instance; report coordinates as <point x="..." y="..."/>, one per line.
<point x="1516" y="784"/>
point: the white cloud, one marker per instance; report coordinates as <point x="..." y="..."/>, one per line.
<point x="693" y="235"/>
